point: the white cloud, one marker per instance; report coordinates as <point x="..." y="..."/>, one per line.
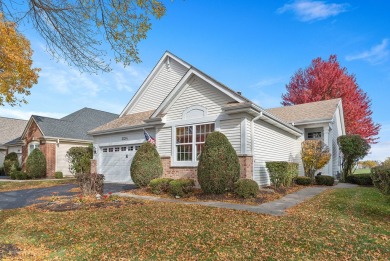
<point x="307" y="10"/>
<point x="376" y="55"/>
<point x="25" y="115"/>
<point x="269" y="82"/>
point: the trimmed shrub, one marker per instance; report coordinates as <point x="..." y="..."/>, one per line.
<point x="58" y="175"/>
<point x="160" y="185"/>
<point x="381" y="179"/>
<point x="360" y="179"/>
<point x="36" y="164"/>
<point x="219" y="166"/>
<point x="282" y="173"/>
<point x="20" y="175"/>
<point x="90" y="184"/>
<point x="79" y="159"/>
<point x="181" y="187"/>
<point x="12" y="175"/>
<point x="324" y="180"/>
<point x="246" y="188"/>
<point x="146" y="165"/>
<point x="10" y="160"/>
<point x="305" y="181"/>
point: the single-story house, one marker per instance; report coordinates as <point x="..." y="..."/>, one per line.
<point x="54" y="137"/>
<point x="10" y="132"/>
<point x="180" y="105"/>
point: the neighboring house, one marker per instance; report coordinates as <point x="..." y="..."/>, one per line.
<point x="10" y="132"/>
<point x="179" y="106"/>
<point x="54" y="137"/>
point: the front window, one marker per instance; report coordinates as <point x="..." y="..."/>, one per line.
<point x="190" y="141"/>
<point x="33" y="145"/>
<point x="314" y="135"/>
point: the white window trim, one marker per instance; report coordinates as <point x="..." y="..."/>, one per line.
<point x="174" y="162"/>
<point x="33" y="143"/>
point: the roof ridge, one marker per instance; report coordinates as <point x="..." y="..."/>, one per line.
<point x="9" y="118"/>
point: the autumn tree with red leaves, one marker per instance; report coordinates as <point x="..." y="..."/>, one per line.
<point x="325" y="80"/>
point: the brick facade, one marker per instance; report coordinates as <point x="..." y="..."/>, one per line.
<point x="246" y="163"/>
<point x="48" y="149"/>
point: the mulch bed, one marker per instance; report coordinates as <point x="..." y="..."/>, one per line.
<point x="8" y="250"/>
<point x="266" y="195"/>
<point x="69" y="204"/>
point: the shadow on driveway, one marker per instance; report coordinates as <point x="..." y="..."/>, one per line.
<point x="26" y="197"/>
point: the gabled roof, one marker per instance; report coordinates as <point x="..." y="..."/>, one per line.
<point x="126" y="121"/>
<point x="11" y="129"/>
<point x="307" y="112"/>
<point x="73" y="126"/>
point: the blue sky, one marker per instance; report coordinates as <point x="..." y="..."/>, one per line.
<point x="251" y="46"/>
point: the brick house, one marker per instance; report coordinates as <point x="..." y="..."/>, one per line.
<point x="180" y="105"/>
<point x="54" y="137"/>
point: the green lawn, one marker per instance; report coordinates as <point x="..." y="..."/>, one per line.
<point x="362" y="171"/>
<point x="28" y="184"/>
<point x="339" y="224"/>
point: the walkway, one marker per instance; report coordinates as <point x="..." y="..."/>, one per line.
<point x="276" y="207"/>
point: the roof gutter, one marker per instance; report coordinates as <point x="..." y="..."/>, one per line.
<point x="253" y="131"/>
<point x="122" y="129"/>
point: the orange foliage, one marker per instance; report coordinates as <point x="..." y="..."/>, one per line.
<point x="315" y="155"/>
<point x="16" y="73"/>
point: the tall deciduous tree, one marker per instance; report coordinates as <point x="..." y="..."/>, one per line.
<point x="16" y="73"/>
<point x="325" y="80"/>
<point x="76" y="30"/>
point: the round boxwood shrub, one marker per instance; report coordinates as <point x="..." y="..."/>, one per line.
<point x="219" y="167"/>
<point x="146" y="165"/>
<point x="58" y="175"/>
<point x="36" y="164"/>
<point x="324" y="180"/>
<point x="246" y="188"/>
<point x="303" y="180"/>
<point x="160" y="185"/>
<point x="20" y="175"/>
<point x="181" y="187"/>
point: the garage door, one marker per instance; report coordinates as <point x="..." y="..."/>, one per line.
<point x="116" y="161"/>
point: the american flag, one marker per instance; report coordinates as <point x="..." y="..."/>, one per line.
<point x="149" y="138"/>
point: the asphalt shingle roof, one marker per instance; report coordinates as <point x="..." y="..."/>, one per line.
<point x="321" y="110"/>
<point x="75" y="125"/>
<point x="11" y="129"/>
<point x="126" y="121"/>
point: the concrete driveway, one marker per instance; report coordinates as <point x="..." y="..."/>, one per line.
<point x="26" y="197"/>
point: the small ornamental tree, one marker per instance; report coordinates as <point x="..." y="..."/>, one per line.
<point x="315" y="155"/>
<point x="353" y="148"/>
<point x="36" y="164"/>
<point x="146" y="165"/>
<point x="219" y="167"/>
<point x="10" y="160"/>
<point x="79" y="159"/>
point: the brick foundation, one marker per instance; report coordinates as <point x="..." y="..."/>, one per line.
<point x="246" y="163"/>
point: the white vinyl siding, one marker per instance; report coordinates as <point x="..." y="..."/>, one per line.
<point x="198" y="92"/>
<point x="232" y="130"/>
<point x="164" y="141"/>
<point x="271" y="144"/>
<point x="62" y="163"/>
<point x="336" y="132"/>
<point x="163" y="83"/>
<point x="248" y="137"/>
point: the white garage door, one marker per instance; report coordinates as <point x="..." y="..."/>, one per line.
<point x="115" y="162"/>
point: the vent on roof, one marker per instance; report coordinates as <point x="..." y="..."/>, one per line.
<point x="239" y="93"/>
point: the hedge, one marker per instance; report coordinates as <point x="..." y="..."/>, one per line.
<point x="324" y="180"/>
<point x="246" y="188"/>
<point x="282" y="173"/>
<point x="360" y="179"/>
<point x="181" y="187"/>
<point x="160" y="185"/>
<point x="381" y="179"/>
<point x="305" y="181"/>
